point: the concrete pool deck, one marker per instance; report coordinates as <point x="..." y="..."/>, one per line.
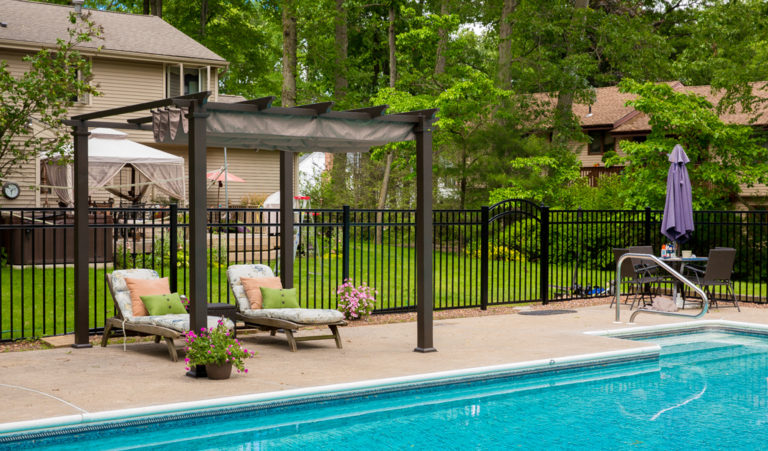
<point x="65" y="381"/>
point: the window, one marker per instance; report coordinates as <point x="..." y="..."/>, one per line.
<point x="84" y="97"/>
<point x="194" y="80"/>
<point x="600" y="142"/>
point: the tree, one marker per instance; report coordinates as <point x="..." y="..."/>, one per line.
<point x="723" y="156"/>
<point x="289" y="53"/>
<point x="33" y="106"/>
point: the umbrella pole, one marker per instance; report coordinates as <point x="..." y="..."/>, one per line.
<point x="226" y="182"/>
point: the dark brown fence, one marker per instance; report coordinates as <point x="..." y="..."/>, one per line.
<point x="511" y="252"/>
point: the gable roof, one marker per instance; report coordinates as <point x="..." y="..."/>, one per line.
<point x="608" y="111"/>
<point x="32" y="24"/>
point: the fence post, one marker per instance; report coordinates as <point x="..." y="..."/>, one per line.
<point x="544" y="257"/>
<point x="174" y="245"/>
<point x="647" y="226"/>
<point x="345" y="243"/>
<point x="485" y="217"/>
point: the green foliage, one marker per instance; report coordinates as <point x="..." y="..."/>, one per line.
<point x="544" y="175"/>
<point x="723" y="156"/>
<point x="34" y="104"/>
<point x="160" y="256"/>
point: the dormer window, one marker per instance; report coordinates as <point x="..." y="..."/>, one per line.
<point x="194" y="80"/>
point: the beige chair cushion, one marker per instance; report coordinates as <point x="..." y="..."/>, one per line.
<point x="252" y="287"/>
<point x="145" y="287"/>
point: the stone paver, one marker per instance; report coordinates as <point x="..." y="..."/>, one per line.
<point x="100" y="379"/>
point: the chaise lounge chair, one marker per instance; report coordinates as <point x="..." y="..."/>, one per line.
<point x="290" y="320"/>
<point x="168" y="327"/>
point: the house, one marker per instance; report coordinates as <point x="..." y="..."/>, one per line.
<point x="608" y="122"/>
<point x="142" y="58"/>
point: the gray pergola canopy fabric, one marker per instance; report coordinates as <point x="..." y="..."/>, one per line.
<point x="259" y="130"/>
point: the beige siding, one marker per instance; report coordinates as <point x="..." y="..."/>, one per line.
<point x="120" y="83"/>
<point x="260" y="170"/>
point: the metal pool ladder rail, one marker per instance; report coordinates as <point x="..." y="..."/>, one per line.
<point x="670" y="270"/>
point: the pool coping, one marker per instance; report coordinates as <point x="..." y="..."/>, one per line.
<point x="691" y="326"/>
<point x="38" y="427"/>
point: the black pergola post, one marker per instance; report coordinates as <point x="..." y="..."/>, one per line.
<point x="286" y="219"/>
<point x="82" y="243"/>
<point x="198" y="221"/>
<point x="424" y="290"/>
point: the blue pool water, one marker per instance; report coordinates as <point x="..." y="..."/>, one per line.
<point x="707" y="391"/>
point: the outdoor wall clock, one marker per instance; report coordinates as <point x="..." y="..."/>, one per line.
<point x="11" y="190"/>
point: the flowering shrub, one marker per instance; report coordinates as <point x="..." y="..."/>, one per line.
<point x="215" y="346"/>
<point x="356" y="302"/>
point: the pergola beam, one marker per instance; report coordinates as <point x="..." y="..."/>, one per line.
<point x="198" y="97"/>
<point x="108" y="124"/>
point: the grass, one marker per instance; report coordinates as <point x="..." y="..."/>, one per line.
<point x="39" y="302"/>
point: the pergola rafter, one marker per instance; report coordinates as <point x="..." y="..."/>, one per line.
<point x="353" y="130"/>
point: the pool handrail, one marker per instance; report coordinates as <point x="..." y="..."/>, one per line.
<point x="670" y="270"/>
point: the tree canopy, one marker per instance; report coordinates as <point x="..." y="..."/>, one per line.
<point x="480" y="62"/>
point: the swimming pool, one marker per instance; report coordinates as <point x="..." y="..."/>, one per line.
<point x="702" y="389"/>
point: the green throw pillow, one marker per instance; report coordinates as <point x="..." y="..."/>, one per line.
<point x="163" y="304"/>
<point x="278" y="298"/>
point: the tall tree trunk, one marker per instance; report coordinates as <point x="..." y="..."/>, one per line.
<point x="203" y="17"/>
<point x="339" y="173"/>
<point x="391" y="41"/>
<point x="442" y="42"/>
<point x="383" y="191"/>
<point x="341" y="43"/>
<point x="505" y="45"/>
<point x="289" y="53"/>
<point x="154" y="7"/>
<point x="564" y="107"/>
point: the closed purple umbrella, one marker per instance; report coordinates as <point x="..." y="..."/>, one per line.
<point x="677" y="224"/>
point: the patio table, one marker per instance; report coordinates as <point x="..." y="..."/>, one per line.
<point x="680" y="262"/>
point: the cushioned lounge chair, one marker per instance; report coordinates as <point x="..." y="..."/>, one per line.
<point x="167" y="327"/>
<point x="289" y="320"/>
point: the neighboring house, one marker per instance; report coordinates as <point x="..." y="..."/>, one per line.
<point x="608" y="121"/>
<point x="142" y="58"/>
<point x="311" y="168"/>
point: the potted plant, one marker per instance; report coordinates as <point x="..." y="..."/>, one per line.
<point x="356" y="302"/>
<point x="218" y="350"/>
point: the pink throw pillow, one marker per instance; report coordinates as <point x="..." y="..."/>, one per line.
<point x="252" y="287"/>
<point x="145" y="287"/>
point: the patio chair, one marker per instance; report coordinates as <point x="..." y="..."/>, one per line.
<point x="717" y="273"/>
<point x="167" y="327"/>
<point x="646" y="273"/>
<point x="289" y="320"/>
<point x="635" y="276"/>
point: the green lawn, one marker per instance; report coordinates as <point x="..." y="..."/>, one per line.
<point x="39" y="302"/>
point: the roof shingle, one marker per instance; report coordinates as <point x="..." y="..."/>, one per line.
<point x="40" y="24"/>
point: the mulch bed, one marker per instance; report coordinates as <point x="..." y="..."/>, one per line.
<point x="30" y="345"/>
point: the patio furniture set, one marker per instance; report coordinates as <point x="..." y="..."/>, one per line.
<point x="129" y="284"/>
<point x="646" y="280"/>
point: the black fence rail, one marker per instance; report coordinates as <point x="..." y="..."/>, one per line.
<point x="508" y="253"/>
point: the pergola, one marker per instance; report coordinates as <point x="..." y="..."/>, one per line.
<point x="257" y="124"/>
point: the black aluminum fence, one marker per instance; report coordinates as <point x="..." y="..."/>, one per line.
<point x="512" y="252"/>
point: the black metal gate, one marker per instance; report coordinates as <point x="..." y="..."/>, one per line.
<point x="514" y="255"/>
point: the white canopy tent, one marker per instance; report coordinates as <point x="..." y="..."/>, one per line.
<point x="110" y="151"/>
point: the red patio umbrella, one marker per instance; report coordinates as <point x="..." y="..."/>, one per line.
<point x="223" y="177"/>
